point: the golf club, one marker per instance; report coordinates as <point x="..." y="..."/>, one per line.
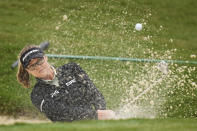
<point x="120" y="59"/>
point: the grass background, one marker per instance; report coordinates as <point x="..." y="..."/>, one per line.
<point x="121" y="125"/>
<point x="104" y="28"/>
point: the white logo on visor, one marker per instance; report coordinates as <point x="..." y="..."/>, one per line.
<point x="29" y="54"/>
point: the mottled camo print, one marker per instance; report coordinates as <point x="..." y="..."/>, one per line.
<point x="77" y="100"/>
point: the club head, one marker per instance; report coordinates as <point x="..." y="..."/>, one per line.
<point x="44" y="45"/>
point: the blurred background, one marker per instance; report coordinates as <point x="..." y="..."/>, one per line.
<point x="107" y="28"/>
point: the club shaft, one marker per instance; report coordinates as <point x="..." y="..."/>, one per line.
<point x="119" y="59"/>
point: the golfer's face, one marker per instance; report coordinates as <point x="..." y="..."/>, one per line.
<point x="38" y="67"/>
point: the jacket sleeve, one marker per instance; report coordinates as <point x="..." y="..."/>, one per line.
<point x="97" y="99"/>
<point x="36" y="96"/>
<point x="57" y="111"/>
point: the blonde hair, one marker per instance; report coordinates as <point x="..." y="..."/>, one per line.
<point x="23" y="76"/>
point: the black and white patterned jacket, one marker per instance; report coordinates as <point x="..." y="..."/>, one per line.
<point x="70" y="96"/>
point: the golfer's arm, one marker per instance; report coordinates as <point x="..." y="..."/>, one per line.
<point x="68" y="112"/>
<point x="98" y="99"/>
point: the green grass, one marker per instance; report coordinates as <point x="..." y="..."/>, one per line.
<point x="121" y="125"/>
<point x="105" y="28"/>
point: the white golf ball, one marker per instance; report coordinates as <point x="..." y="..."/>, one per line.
<point x="138" y="26"/>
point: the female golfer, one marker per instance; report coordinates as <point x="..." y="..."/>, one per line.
<point x="62" y="94"/>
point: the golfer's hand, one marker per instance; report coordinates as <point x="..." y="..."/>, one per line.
<point x="105" y="114"/>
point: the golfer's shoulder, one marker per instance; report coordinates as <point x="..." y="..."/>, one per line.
<point x="38" y="89"/>
<point x="37" y="94"/>
<point x="70" y="66"/>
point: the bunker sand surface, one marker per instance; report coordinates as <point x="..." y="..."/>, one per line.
<point x="8" y="120"/>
